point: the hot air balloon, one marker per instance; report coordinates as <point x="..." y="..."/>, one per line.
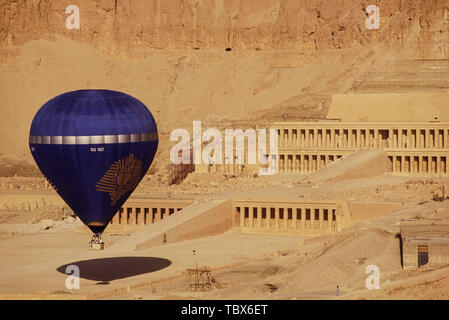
<point x="94" y="147"/>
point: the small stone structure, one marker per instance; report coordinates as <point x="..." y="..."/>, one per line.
<point x="424" y="241"/>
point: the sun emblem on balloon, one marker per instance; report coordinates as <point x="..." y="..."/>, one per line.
<point x="122" y="176"/>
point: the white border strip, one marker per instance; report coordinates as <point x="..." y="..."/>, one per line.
<point x="100" y="139"/>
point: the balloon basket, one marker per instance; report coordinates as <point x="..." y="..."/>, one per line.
<point x="96" y="243"/>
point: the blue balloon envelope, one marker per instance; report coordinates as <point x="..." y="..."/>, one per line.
<point x="94" y="147"/>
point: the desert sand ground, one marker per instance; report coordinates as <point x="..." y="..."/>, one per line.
<point x="264" y="267"/>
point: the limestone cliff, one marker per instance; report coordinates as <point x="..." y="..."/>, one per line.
<point x="125" y="27"/>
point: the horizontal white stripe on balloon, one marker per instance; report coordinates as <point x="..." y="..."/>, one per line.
<point x="97" y="139"/>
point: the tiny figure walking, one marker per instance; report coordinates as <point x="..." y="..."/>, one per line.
<point x="338" y="290"/>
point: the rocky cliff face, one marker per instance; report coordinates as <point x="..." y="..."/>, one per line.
<point x="125" y="27"/>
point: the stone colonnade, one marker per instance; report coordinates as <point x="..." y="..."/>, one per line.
<point x="341" y="135"/>
<point x="419" y="163"/>
<point x="149" y="211"/>
<point x="414" y="149"/>
<point x="286" y="216"/>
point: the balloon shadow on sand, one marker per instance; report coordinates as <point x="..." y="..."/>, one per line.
<point x="109" y="269"/>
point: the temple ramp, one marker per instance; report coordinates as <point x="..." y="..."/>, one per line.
<point x="360" y="164"/>
<point x="202" y="219"/>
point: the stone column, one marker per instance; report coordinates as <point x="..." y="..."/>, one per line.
<point x="307" y="138"/>
<point x="251" y="217"/>
<point x="363" y="138"/>
<point x="303" y="217"/>
<point x="390" y="138"/>
<point x="420" y="163"/>
<point x="402" y="164"/>
<point x="312" y="218"/>
<point x="295" y="217"/>
<point x="302" y="137"/>
<point x="295" y="163"/>
<point x="150" y="219"/>
<point x="367" y="138"/>
<point x="422" y="139"/>
<point x="409" y="137"/>
<point x="376" y="139"/>
<point x="329" y="219"/>
<point x="298" y="163"/>
<point x="285" y="218"/>
<point x="395" y="138"/>
<point x="242" y="216"/>
<point x="321" y="216"/>
<point x="145" y="216"/>
<point x="394" y="163"/>
<point x="345" y="138"/>
<point x="259" y="217"/>
<point x="334" y="220"/>
<point x="434" y="165"/>
<point x="416" y="160"/>
<point x="132" y="216"/>
<point x="306" y="163"/>
<point x="352" y="138"/>
<point x="427" y="139"/>
<point x="159" y="213"/>
<point x="340" y="138"/>
<point x="445" y="139"/>
<point x="447" y="165"/>
<point x="315" y="138"/>
<point x="276" y="217"/>
<point x="268" y="218"/>
<point x="438" y="164"/>
<point x="139" y="216"/>
<point x="433" y="138"/>
<point x="359" y="139"/>
<point x="332" y="143"/>
<point x="281" y="138"/>
<point x="302" y="169"/>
